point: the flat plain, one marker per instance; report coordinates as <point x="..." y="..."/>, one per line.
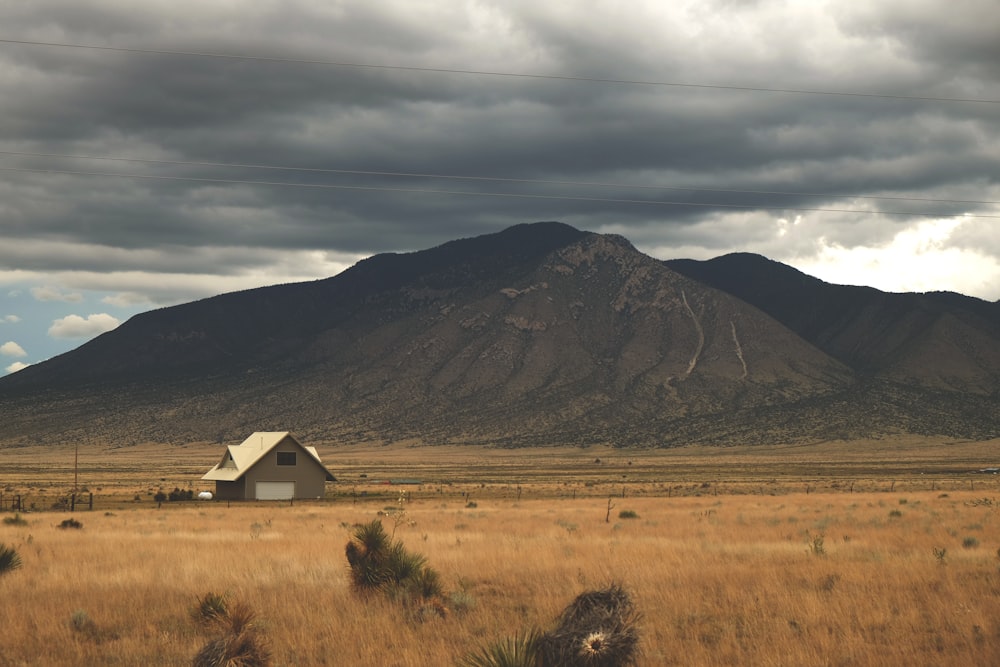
<point x="876" y="553"/>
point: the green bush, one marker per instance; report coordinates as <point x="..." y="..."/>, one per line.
<point x="970" y="542"/>
<point x="16" y="520"/>
<point x="379" y="564"/>
<point x="628" y="514"/>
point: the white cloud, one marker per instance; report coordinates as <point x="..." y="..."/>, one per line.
<point x="12" y="319"/>
<point x="919" y="258"/>
<point x="74" y="326"/>
<point x="127" y="300"/>
<point x="12" y="349"/>
<point x="52" y="294"/>
<point x="16" y="366"/>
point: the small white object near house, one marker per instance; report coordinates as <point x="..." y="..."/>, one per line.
<point x="269" y="466"/>
<point x="205" y="495"/>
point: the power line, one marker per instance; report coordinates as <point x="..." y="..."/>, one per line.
<point x="494" y="73"/>
<point x="470" y="193"/>
<point x="492" y="179"/>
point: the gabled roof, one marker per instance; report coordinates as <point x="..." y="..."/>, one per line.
<point x="238" y="459"/>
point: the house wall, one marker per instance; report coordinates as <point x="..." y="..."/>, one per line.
<point x="309" y="476"/>
<point x="230" y="490"/>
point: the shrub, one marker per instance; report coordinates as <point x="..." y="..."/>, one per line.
<point x="970" y="542"/>
<point x="242" y="644"/>
<point x="518" y="651"/>
<point x="160" y="497"/>
<point x="177" y="494"/>
<point x="211" y="608"/>
<point x="380" y="564"/>
<point x="628" y="514"/>
<point x="70" y="523"/>
<point x="598" y="629"/>
<point x="10" y="560"/>
<point x="16" y="520"/>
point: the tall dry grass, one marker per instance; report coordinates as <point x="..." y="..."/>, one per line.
<point x="721" y="580"/>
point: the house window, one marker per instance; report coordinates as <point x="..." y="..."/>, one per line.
<point x="286" y="458"/>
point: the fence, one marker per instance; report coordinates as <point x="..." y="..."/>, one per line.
<point x="22" y="502"/>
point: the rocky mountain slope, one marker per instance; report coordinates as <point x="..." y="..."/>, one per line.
<point x="938" y="340"/>
<point x="540" y="334"/>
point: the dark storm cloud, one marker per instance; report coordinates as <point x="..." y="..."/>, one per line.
<point x="194" y="109"/>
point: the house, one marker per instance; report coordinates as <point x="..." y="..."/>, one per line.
<point x="269" y="465"/>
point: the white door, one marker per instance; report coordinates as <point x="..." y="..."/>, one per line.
<point x="275" y="490"/>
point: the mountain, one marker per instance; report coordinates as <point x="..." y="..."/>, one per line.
<point x="540" y="334"/>
<point x="937" y="340"/>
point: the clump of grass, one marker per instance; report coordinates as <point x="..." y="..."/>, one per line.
<point x="817" y="545"/>
<point x="598" y="629"/>
<point x="16" y="520"/>
<point x="84" y="626"/>
<point x="461" y="601"/>
<point x="242" y="643"/>
<point x="70" y="523"/>
<point x="628" y="514"/>
<point x="10" y="560"/>
<point x="380" y="564"/>
<point x="970" y="542"/>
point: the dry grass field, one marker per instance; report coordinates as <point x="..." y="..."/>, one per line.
<point x="829" y="555"/>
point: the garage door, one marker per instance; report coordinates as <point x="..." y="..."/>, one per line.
<point x="275" y="490"/>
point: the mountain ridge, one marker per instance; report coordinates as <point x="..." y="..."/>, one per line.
<point x="539" y="334"/>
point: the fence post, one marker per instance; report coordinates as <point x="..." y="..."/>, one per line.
<point x="72" y="502"/>
<point x="91" y="508"/>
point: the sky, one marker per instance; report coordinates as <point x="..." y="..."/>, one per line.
<point x="162" y="152"/>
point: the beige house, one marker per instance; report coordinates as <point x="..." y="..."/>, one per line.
<point x="270" y="465"/>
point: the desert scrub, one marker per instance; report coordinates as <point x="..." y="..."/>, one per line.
<point x="210" y="609"/>
<point x="16" y="520"/>
<point x="628" y="514"/>
<point x="10" y="560"/>
<point x="598" y="629"/>
<point x="242" y="643"/>
<point x="380" y="564"/>
<point x="518" y="651"/>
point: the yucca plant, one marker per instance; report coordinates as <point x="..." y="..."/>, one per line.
<point x="598" y="629"/>
<point x="242" y="645"/>
<point x="10" y="560"/>
<point x="518" y="651"/>
<point x="367" y="554"/>
<point x="379" y="564"/>
<point x="210" y="609"/>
